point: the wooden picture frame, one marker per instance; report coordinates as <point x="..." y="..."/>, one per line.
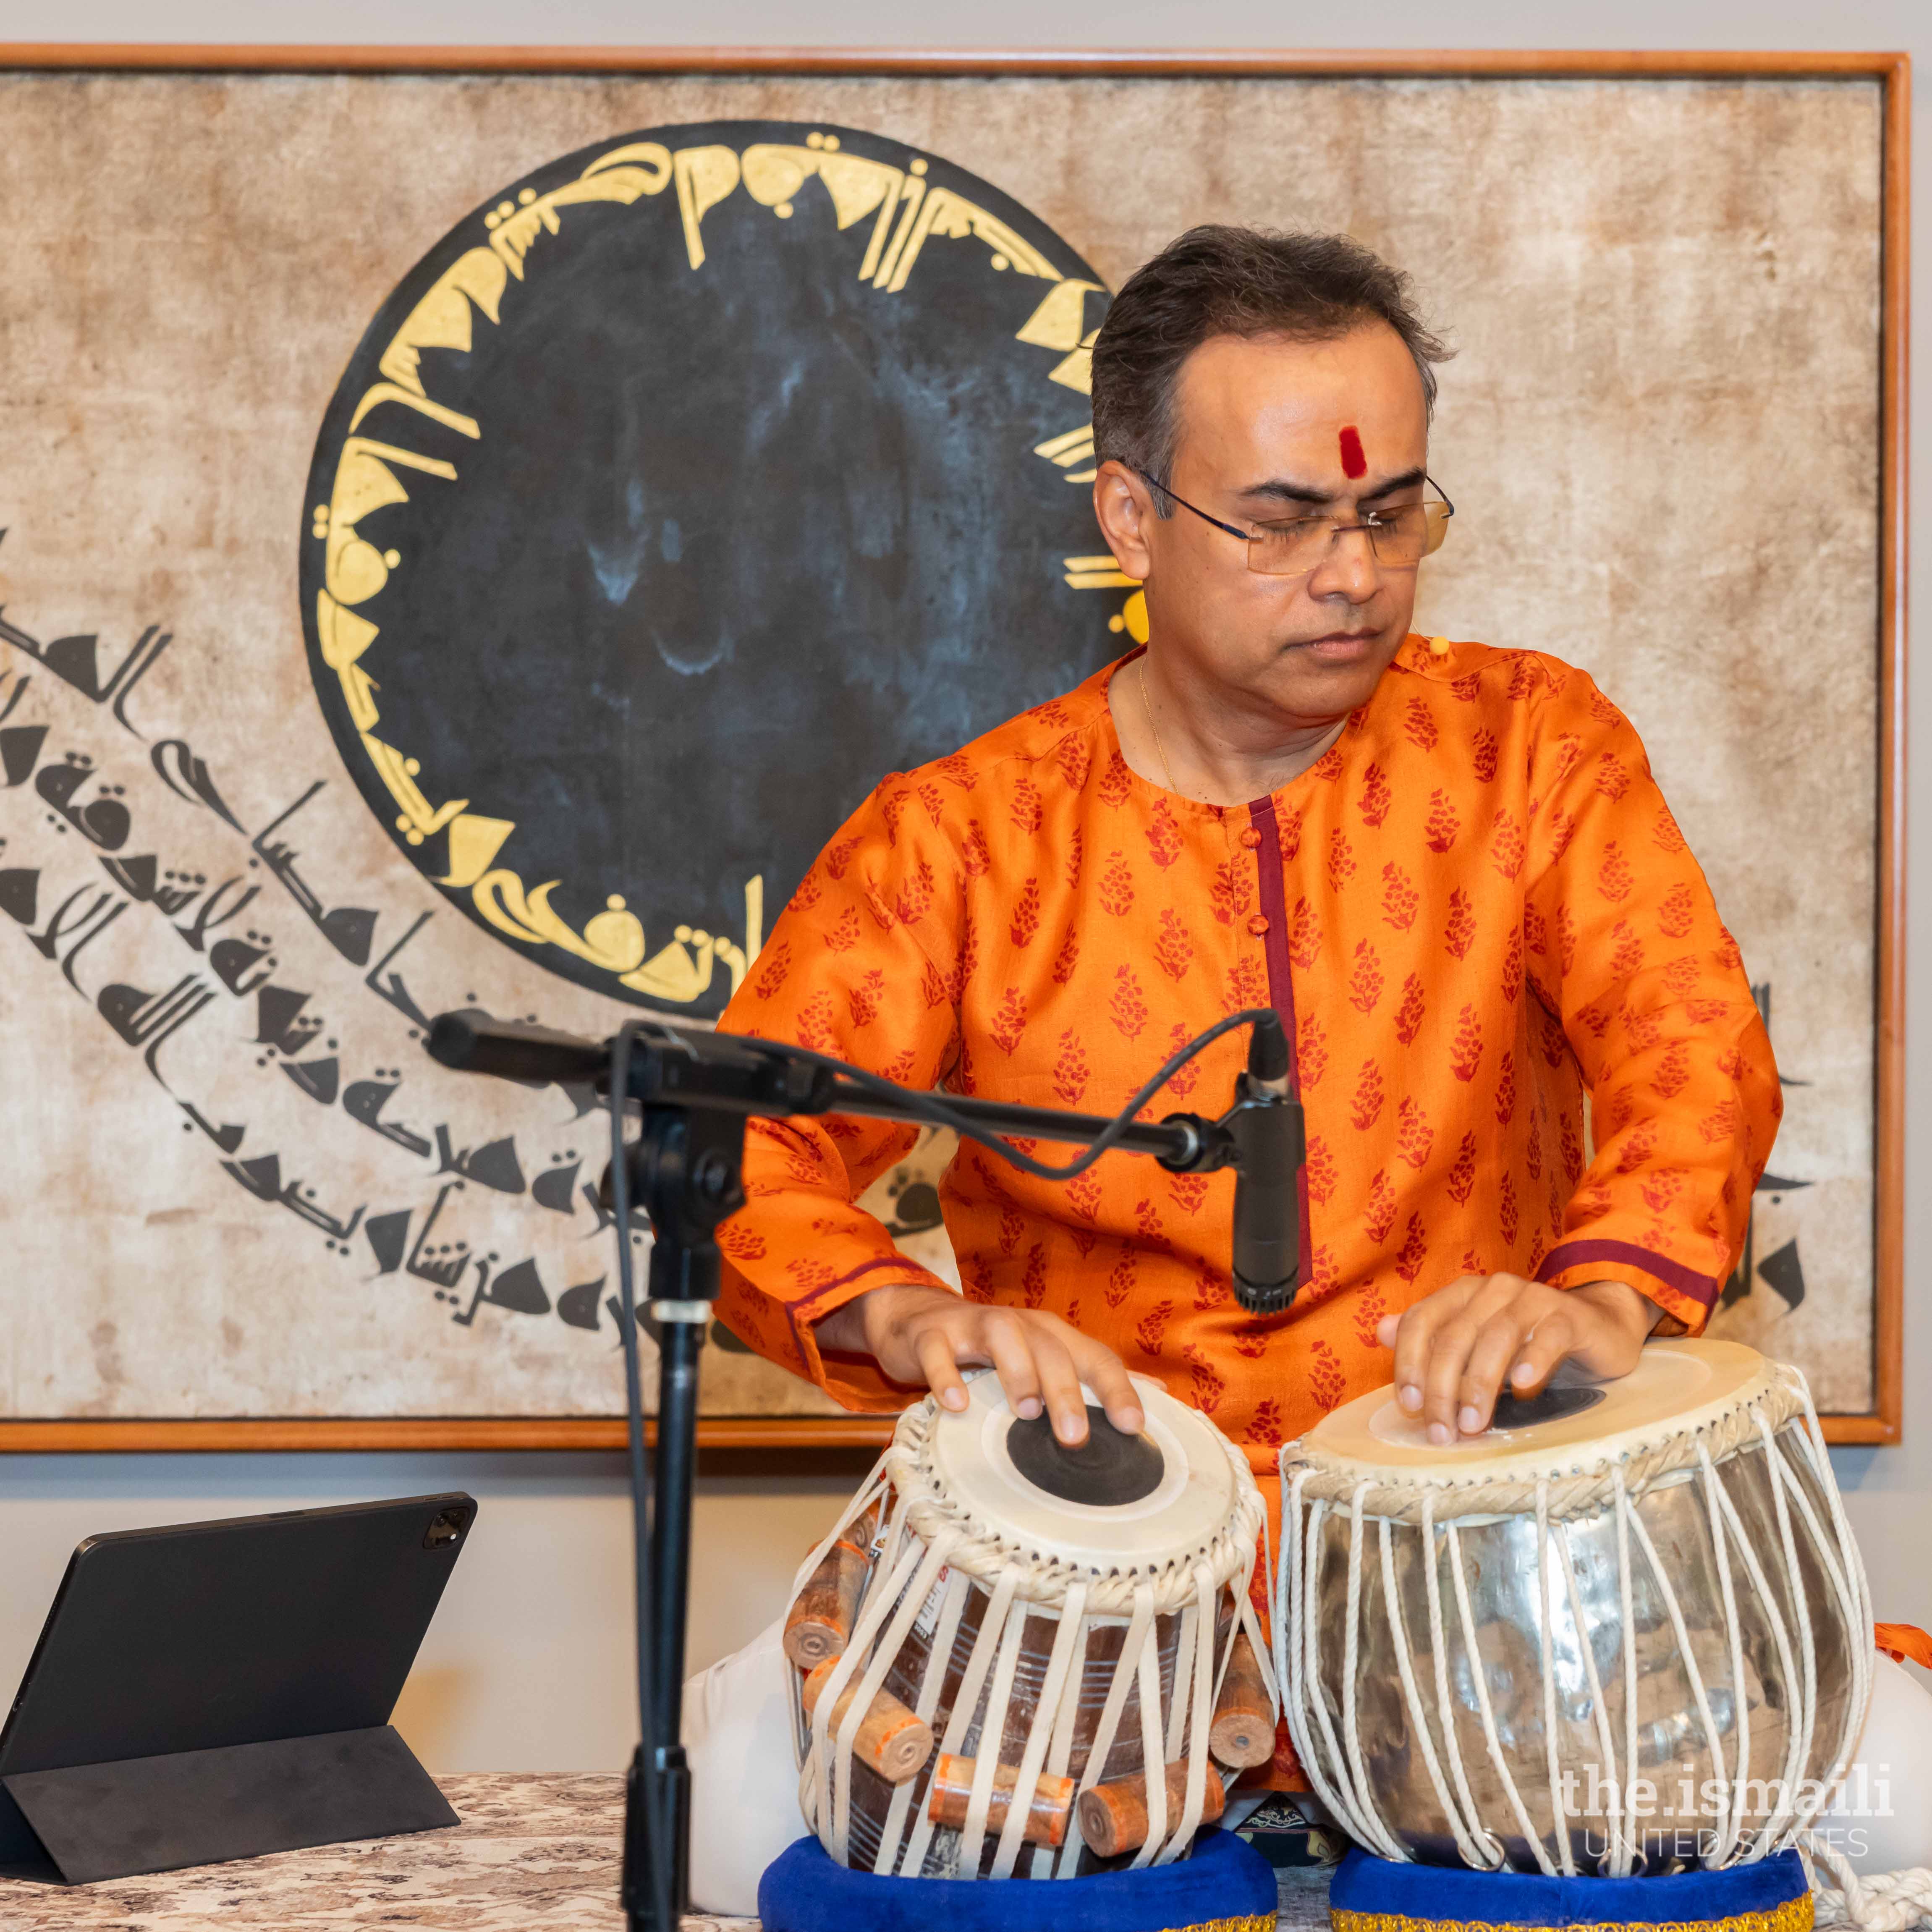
<point x="1890" y="71"/>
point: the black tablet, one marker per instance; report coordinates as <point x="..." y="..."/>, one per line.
<point x="203" y="1636"/>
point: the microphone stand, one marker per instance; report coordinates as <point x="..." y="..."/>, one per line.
<point x="695" y="1090"/>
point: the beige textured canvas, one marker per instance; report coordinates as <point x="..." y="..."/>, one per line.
<point x="1661" y="429"/>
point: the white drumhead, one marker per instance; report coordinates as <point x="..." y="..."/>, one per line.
<point x="1190" y="1506"/>
<point x="1678" y="1387"/>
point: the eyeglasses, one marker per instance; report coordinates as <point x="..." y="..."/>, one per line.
<point x="1400" y="537"/>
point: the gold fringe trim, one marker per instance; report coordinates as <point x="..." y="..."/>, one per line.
<point x="1795" y="1914"/>
<point x="1258" y="1921"/>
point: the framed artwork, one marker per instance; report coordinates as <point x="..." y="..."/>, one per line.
<point x="382" y="420"/>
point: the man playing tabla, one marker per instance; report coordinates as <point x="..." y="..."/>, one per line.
<point x="1447" y="866"/>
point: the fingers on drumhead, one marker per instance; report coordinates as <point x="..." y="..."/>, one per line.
<point x="933" y="1353"/>
<point x="1108" y="1380"/>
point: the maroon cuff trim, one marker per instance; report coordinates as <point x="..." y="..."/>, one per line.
<point x="793" y="1309"/>
<point x="1701" y="1288"/>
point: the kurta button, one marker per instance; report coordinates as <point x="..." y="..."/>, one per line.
<point x="1250" y="838"/>
<point x="1258" y="924"/>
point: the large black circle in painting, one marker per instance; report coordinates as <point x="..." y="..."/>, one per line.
<point x="689" y="486"/>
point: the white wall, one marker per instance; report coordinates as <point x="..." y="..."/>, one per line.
<point x="527" y="1665"/>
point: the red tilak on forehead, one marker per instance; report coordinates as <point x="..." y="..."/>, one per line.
<point x="1353" y="462"/>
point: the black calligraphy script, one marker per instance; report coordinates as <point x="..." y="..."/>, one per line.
<point x="124" y="866"/>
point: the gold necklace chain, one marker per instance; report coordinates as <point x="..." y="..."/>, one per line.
<point x="1147" y="705"/>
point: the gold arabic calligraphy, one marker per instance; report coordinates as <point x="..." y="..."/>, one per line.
<point x="908" y="210"/>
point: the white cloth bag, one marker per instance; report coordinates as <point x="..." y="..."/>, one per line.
<point x="1881" y="1817"/>
<point x="744" y="1778"/>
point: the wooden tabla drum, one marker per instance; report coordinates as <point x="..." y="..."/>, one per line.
<point x="1626" y="1629"/>
<point x="1002" y="1637"/>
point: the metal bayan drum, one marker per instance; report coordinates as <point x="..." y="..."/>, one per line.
<point x="1627" y="1630"/>
<point x="1059" y="1621"/>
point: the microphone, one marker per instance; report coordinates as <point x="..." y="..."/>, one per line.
<point x="475" y="1042"/>
<point x="672" y="1066"/>
<point x="1267" y="1128"/>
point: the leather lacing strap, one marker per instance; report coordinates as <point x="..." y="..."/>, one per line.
<point x="1327" y="1503"/>
<point x="930" y="1534"/>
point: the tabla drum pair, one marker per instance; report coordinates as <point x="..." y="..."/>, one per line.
<point x="1003" y="1639"/>
<point x="1626" y="1630"/>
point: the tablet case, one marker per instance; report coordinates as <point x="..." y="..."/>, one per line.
<point x="209" y="1691"/>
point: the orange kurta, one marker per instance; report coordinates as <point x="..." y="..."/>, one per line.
<point x="1473" y="910"/>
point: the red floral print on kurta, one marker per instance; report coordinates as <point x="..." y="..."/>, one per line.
<point x="1472" y="910"/>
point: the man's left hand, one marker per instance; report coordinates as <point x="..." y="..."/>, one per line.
<point x="1454" y="1348"/>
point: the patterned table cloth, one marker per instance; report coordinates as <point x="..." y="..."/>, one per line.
<point x="533" y="1854"/>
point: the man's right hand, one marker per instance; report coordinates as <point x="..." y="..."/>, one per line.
<point x="928" y="1335"/>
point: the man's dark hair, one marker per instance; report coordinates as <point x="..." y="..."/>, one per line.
<point x="1220" y="280"/>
